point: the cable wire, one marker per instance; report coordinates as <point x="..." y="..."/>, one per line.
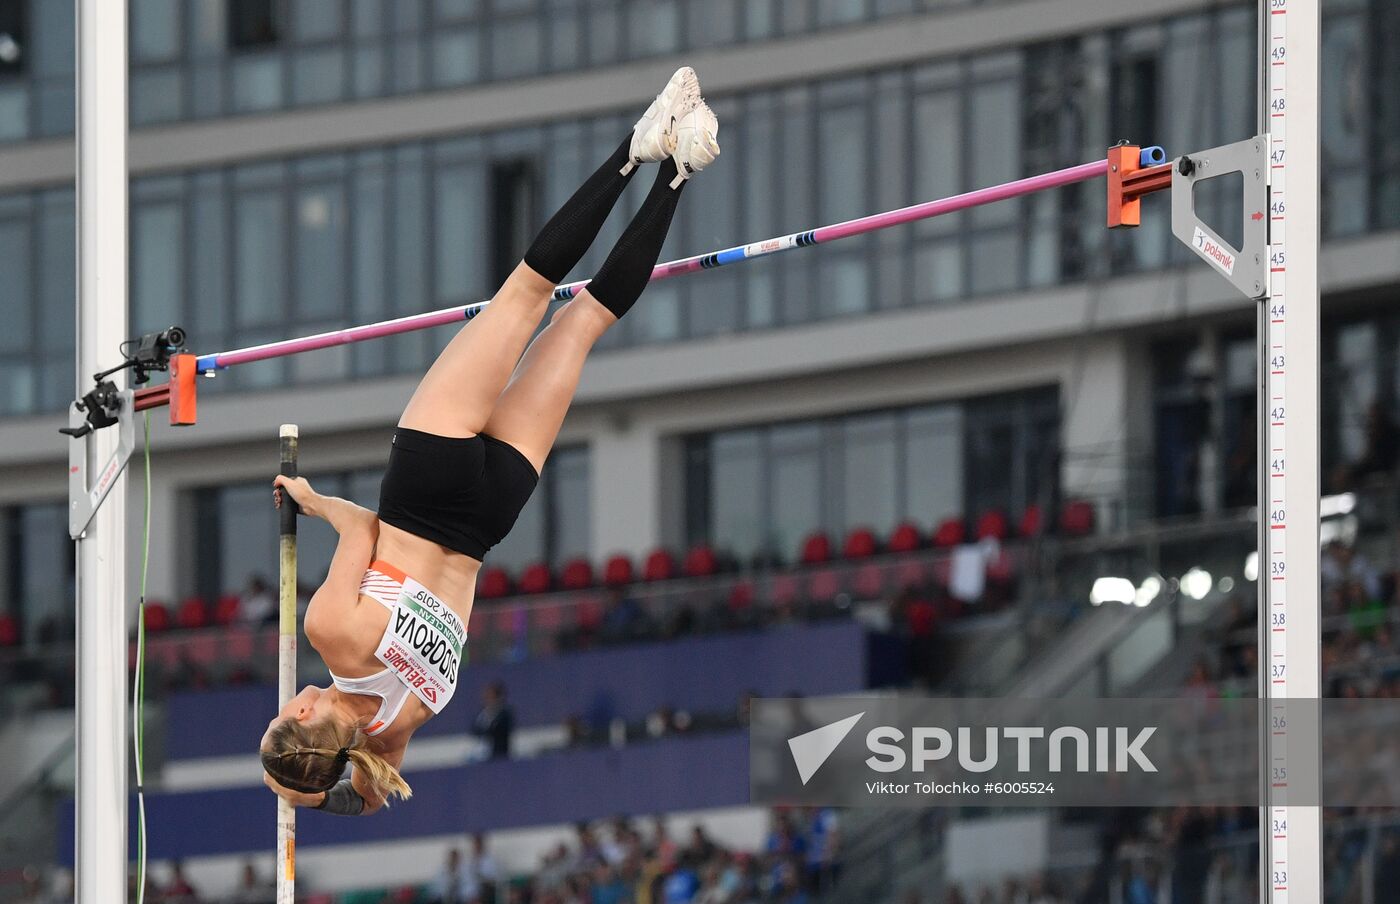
<point x="138" y="687"/>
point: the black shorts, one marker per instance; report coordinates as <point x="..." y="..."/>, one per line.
<point x="464" y="494"/>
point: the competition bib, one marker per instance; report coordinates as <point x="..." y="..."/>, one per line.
<point x="423" y="645"/>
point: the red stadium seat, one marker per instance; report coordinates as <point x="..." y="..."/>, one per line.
<point x="824" y="586"/>
<point x="860" y="544"/>
<point x="9" y="631"/>
<point x="577" y="575"/>
<point x="226" y="609"/>
<point x="910" y="574"/>
<point x="1031" y="522"/>
<point x="906" y="538"/>
<point x="493" y="584"/>
<point x="816" y="549"/>
<point x="950" y="532"/>
<point x="993" y="525"/>
<point x="868" y="583"/>
<point x="783" y="590"/>
<point x="741" y="597"/>
<point x="588" y="614"/>
<point x="536" y="578"/>
<point x="701" y="562"/>
<point x="660" y="566"/>
<point x="1077" y="519"/>
<point x="618" y="571"/>
<point x="157" y="617"/>
<point x="193" y="613"/>
<point x="999" y="569"/>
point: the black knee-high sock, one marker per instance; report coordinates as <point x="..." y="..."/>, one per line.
<point x="565" y="238"/>
<point x="623" y="276"/>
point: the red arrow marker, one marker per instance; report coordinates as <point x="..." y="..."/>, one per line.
<point x="1257" y="215"/>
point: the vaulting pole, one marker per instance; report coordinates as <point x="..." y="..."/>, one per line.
<point x="101" y="824"/>
<point x="287" y="655"/>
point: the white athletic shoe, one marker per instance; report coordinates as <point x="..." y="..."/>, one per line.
<point x="654" y="135"/>
<point x="696" y="144"/>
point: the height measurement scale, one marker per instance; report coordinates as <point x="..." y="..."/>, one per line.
<point x="1291" y="853"/>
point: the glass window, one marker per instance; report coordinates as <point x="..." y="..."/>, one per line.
<point x="257" y="83"/>
<point x="317" y="20"/>
<point x="206" y="23"/>
<point x="319" y="261"/>
<point x="260" y="255"/>
<point x="870" y="472"/>
<point x="318" y="76"/>
<point x="51" y="47"/>
<point x="516" y="47"/>
<point x="253" y="24"/>
<point x="571" y="509"/>
<point x="736" y="485"/>
<point x="157" y="251"/>
<point x="995" y="145"/>
<point x="456" y="57"/>
<point x="155" y="96"/>
<point x="938" y="154"/>
<point x="44" y="584"/>
<point x="758" y="19"/>
<point x="14" y="112"/>
<point x="370" y="247"/>
<point x="209" y="257"/>
<point x="57" y="281"/>
<point x="795" y="486"/>
<point x="14" y="39"/>
<point x="460" y="258"/>
<point x="840" y="12"/>
<point x="933" y="456"/>
<point x="155" y="29"/>
<point x="652" y="27"/>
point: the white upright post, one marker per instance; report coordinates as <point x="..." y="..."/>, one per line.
<point x="1289" y="327"/>
<point x="101" y="836"/>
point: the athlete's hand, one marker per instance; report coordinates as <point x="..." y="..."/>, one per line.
<point x="300" y="491"/>
<point x="295" y="798"/>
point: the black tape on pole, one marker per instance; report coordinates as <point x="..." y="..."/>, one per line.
<point x="289" y="510"/>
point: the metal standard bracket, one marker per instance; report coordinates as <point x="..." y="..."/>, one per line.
<point x="84" y="500"/>
<point x="1246" y="268"/>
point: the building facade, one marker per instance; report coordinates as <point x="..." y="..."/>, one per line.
<point x="300" y="167"/>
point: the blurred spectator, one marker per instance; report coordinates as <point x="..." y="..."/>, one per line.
<point x="701" y="847"/>
<point x="576" y="732"/>
<point x="179" y="891"/>
<point x="1342" y="565"/>
<point x="608" y="887"/>
<point x="257" y="604"/>
<point x="745" y="707"/>
<point x="1382" y="446"/>
<point x="823" y="849"/>
<point x="682" y="884"/>
<point x="624" y="619"/>
<point x="456" y="883"/>
<point x="485" y="867"/>
<point x="253" y="889"/>
<point x="496" y="720"/>
<point x="1225" y="884"/>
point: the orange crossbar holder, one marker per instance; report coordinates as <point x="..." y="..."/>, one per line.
<point x="1128" y="181"/>
<point x="179" y="392"/>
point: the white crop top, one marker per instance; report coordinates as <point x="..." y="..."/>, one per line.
<point x="422" y="647"/>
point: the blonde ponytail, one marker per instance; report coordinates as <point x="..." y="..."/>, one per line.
<point x="384" y="780"/>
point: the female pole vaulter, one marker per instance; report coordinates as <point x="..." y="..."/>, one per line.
<point x="390" y="618"/>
